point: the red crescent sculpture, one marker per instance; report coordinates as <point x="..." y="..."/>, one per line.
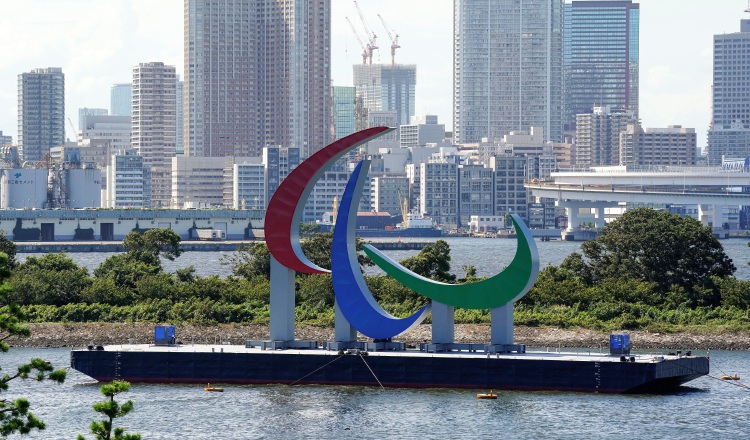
<point x="284" y="211"/>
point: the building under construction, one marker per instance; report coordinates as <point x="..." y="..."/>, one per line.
<point x="387" y="87"/>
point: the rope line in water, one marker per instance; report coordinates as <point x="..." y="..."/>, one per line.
<point x="316" y="370"/>
<point x="728" y="382"/>
<point x="373" y="373"/>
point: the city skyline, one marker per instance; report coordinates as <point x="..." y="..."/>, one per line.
<point x="676" y="50"/>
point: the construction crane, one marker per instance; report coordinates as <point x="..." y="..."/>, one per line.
<point x="75" y="132"/>
<point x="364" y="48"/>
<point x="372" y="42"/>
<point x="394" y="40"/>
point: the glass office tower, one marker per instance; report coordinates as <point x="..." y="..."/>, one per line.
<point x="600" y="57"/>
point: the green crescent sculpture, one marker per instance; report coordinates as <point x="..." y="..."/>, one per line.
<point x="505" y="287"/>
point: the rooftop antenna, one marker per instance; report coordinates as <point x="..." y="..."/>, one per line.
<point x="748" y="6"/>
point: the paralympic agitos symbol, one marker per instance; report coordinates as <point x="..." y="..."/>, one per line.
<point x="352" y="295"/>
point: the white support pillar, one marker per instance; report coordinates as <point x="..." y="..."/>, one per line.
<point x="573" y="218"/>
<point x="443" y="323"/>
<point x="501" y="325"/>
<point x="600" y="223"/>
<point x="282" y="302"/>
<point x="344" y="331"/>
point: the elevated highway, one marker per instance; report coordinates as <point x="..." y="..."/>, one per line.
<point x="717" y="195"/>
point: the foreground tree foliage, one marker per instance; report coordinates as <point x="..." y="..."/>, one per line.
<point x="112" y="410"/>
<point x="15" y="415"/>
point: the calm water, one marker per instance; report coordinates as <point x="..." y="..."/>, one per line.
<point x="489" y="256"/>
<point x="709" y="409"/>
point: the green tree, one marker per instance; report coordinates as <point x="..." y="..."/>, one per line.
<point x="315" y="291"/>
<point x="308" y="229"/>
<point x="255" y="260"/>
<point x="657" y="247"/>
<point x="249" y="261"/>
<point x="8" y="247"/>
<point x="152" y="244"/>
<point x="15" y="417"/>
<point x="125" y="270"/>
<point x="112" y="410"/>
<point x="105" y="291"/>
<point x="318" y="250"/>
<point x="433" y="261"/>
<point x="53" y="279"/>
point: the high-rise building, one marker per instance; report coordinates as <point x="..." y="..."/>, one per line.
<point x="257" y="74"/>
<point x="598" y="136"/>
<point x="475" y="192"/>
<point x="386" y="87"/>
<point x="154" y="125"/>
<point x="197" y="182"/>
<point x="121" y="100"/>
<point x="507" y="68"/>
<point x="179" y="139"/>
<point x="41" y="112"/>
<point x="600" y="57"/>
<point x="729" y="133"/>
<point x="344" y="122"/>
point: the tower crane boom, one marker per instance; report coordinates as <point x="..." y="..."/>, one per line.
<point x="394" y="39"/>
<point x="364" y="48"/>
<point x="372" y="42"/>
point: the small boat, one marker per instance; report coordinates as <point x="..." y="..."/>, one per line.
<point x="735" y="377"/>
<point x="490" y="395"/>
<point x="214" y="389"/>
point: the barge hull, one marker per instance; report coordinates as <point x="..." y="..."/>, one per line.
<point x="392" y="370"/>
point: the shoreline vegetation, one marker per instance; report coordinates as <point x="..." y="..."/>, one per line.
<point x="662" y="278"/>
<point x="74" y="335"/>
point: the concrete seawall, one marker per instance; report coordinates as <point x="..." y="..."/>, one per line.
<point x="188" y="246"/>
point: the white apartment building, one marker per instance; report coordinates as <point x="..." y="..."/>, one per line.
<point x="128" y="181"/>
<point x="249" y="185"/>
<point x="154" y="125"/>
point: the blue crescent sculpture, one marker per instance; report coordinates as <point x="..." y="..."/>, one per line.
<point x="352" y="295"/>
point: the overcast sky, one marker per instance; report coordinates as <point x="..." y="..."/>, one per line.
<point x="97" y="42"/>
